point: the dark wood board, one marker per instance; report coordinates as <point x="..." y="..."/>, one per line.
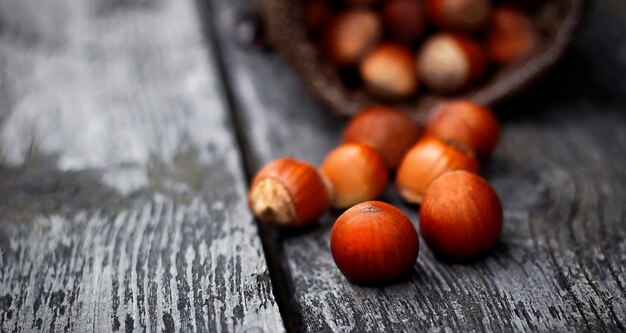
<point x="560" y="171"/>
<point x="122" y="195"/>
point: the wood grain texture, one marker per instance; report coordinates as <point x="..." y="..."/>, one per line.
<point x="122" y="197"/>
<point x="561" y="261"/>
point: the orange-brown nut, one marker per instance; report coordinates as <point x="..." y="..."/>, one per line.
<point x="289" y="193"/>
<point x="387" y="130"/>
<point x="404" y="20"/>
<point x="448" y="63"/>
<point x="350" y="35"/>
<point x="459" y="15"/>
<point x="389" y="72"/>
<point x="428" y="159"/>
<point x="466" y="122"/>
<point x="461" y="216"/>
<point x="511" y="36"/>
<point x="357" y="173"/>
<point x="374" y="243"/>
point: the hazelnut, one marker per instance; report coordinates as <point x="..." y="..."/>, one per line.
<point x="448" y="63"/>
<point x="465" y="122"/>
<point x="357" y="173"/>
<point x="289" y="193"/>
<point x="387" y="130"/>
<point x="428" y="159"/>
<point x="459" y="15"/>
<point x="350" y="35"/>
<point x="374" y="243"/>
<point x="404" y="20"/>
<point x="511" y="36"/>
<point x="389" y="72"/>
<point x="461" y="216"/>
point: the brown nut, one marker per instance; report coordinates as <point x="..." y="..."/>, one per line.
<point x="459" y="15"/>
<point x="374" y="243"/>
<point x="428" y="159"/>
<point x="466" y="122"/>
<point x="404" y="20"/>
<point x="448" y="63"/>
<point x="387" y="130"/>
<point x="357" y="173"/>
<point x="289" y="193"/>
<point x="350" y="35"/>
<point x="511" y="36"/>
<point x="389" y="72"/>
<point x="461" y="216"/>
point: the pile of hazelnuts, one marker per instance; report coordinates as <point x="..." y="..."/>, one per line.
<point x="373" y="242"/>
<point x="397" y="45"/>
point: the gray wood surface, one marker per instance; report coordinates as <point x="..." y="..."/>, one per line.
<point x="122" y="192"/>
<point x="122" y="195"/>
<point x="560" y="172"/>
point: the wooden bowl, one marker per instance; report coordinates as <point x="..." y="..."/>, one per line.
<point x="555" y="20"/>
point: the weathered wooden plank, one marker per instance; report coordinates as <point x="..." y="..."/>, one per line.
<point x="560" y="265"/>
<point x="122" y="196"/>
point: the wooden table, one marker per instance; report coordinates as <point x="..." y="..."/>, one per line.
<point x="130" y="129"/>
